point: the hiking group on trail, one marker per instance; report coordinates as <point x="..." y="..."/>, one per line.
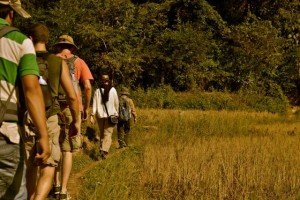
<point x="43" y="106"/>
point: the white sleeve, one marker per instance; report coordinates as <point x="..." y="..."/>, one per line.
<point x="95" y="102"/>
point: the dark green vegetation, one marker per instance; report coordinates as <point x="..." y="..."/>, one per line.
<point x="190" y="45"/>
<point x="165" y="98"/>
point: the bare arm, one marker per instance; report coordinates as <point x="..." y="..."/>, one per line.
<point x="133" y="110"/>
<point x="36" y="108"/>
<point x="73" y="102"/>
<point x="94" y="109"/>
<point x="87" y="95"/>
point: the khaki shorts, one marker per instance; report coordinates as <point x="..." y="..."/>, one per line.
<point x="67" y="143"/>
<point x="30" y="140"/>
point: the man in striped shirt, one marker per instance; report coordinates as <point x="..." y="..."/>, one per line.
<point x="18" y="74"/>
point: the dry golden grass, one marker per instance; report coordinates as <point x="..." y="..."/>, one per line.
<point x="205" y="155"/>
<point x="247" y="156"/>
<point x="224" y="168"/>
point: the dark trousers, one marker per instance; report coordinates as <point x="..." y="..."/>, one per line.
<point x="123" y="133"/>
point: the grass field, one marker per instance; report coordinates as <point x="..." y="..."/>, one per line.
<point x="197" y="155"/>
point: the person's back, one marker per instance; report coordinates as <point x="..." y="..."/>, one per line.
<point x="79" y="70"/>
<point x="19" y="73"/>
<point x="65" y="47"/>
<point x="124" y="124"/>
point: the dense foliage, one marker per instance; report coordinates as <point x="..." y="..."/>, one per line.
<point x="191" y="45"/>
<point x="165" y="97"/>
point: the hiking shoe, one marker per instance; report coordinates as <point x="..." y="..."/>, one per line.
<point x="103" y="154"/>
<point x="54" y="191"/>
<point x="65" y="196"/>
<point x="97" y="138"/>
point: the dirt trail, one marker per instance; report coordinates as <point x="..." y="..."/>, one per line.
<point x="75" y="179"/>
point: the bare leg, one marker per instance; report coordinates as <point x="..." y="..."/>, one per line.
<point x="58" y="173"/>
<point x="44" y="183"/>
<point x="31" y="178"/>
<point x="66" y="170"/>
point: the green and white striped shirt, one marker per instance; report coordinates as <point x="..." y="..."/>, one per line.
<point x="17" y="59"/>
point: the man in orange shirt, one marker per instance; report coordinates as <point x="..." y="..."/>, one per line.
<point x="65" y="47"/>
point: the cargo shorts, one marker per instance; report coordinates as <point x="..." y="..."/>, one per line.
<point x="67" y="143"/>
<point x="31" y="141"/>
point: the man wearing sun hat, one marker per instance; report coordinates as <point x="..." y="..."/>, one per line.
<point x="17" y="65"/>
<point x="16" y="6"/>
<point x="65" y="47"/>
<point x="123" y="127"/>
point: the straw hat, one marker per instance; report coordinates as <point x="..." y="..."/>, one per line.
<point x="125" y="91"/>
<point x="65" y="39"/>
<point x="16" y="5"/>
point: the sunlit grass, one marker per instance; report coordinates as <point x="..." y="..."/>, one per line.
<point x="202" y="155"/>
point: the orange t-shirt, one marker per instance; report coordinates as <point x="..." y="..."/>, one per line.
<point x="81" y="72"/>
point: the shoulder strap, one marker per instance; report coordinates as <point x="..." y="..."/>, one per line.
<point x="4" y="106"/>
<point x="43" y="54"/>
<point x="72" y="59"/>
<point x="71" y="65"/>
<point x="3" y="31"/>
<point x="103" y="101"/>
<point x="6" y="29"/>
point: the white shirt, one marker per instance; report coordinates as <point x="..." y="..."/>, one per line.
<point x="112" y="104"/>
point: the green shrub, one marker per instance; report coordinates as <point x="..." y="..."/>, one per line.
<point x="165" y="98"/>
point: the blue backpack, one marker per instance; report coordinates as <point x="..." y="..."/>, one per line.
<point x="124" y="109"/>
<point x="71" y="64"/>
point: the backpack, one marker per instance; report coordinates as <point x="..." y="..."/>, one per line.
<point x="43" y="79"/>
<point x="49" y="79"/>
<point x="71" y="64"/>
<point x="124" y="109"/>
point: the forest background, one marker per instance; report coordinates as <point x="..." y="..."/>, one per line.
<point x="237" y="47"/>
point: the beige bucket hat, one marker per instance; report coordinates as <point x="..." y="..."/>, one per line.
<point x="65" y="39"/>
<point x="16" y="6"/>
<point x="125" y="91"/>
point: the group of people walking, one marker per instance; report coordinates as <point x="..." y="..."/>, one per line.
<point x="42" y="109"/>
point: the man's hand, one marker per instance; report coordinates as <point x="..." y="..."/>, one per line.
<point x="85" y="114"/>
<point x="135" y="120"/>
<point x="92" y="119"/>
<point x="43" y="151"/>
<point x="74" y="128"/>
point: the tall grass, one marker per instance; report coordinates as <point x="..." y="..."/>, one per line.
<point x="202" y="155"/>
